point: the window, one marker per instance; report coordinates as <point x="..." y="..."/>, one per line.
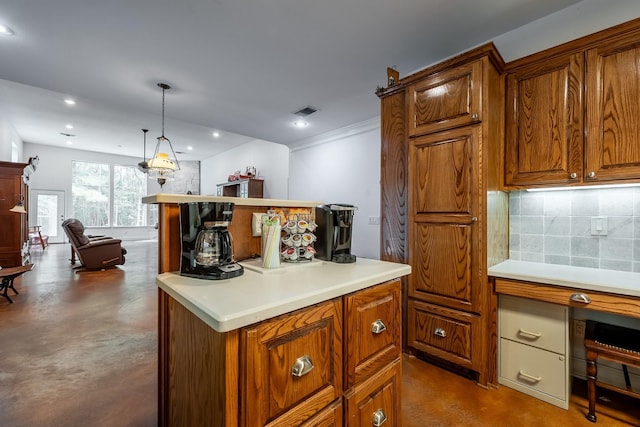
<point x="90" y="193"/>
<point x="129" y="186"/>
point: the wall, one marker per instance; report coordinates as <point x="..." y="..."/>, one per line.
<point x="54" y="173"/>
<point x="344" y="167"/>
<point x="8" y="135"/>
<point x="555" y="227"/>
<point x="271" y="161"/>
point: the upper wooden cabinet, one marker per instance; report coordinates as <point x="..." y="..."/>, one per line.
<point x="549" y="93"/>
<point x="544" y="133"/>
<point x="446" y="100"/>
<point x="14" y="230"/>
<point x="613" y="111"/>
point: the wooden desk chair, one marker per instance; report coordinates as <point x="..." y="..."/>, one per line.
<point x="615" y="343"/>
<point x="8" y="275"/>
<point x="36" y="237"/>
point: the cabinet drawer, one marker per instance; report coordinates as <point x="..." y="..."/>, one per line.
<point x="372" y="325"/>
<point x="442" y="332"/>
<point x="328" y="417"/>
<point x="446" y="100"/>
<point x="293" y="365"/>
<point x="537" y="372"/>
<point x="377" y="397"/>
<point x="536" y="323"/>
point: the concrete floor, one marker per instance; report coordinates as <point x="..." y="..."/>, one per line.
<point x="80" y="349"/>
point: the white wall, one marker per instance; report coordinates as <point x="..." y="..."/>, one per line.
<point x="271" y="161"/>
<point x="343" y="167"/>
<point x="54" y="173"/>
<point x="581" y="19"/>
<point x="8" y="135"/>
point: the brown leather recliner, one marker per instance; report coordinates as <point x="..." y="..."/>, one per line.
<point x="93" y="253"/>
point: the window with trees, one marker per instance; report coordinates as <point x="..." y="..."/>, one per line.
<point x="90" y="188"/>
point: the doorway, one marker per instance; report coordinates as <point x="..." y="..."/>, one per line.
<point x="46" y="209"/>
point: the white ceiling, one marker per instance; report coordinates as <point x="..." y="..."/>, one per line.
<point x="239" y="66"/>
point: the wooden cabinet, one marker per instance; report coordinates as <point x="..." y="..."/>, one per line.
<point x="250" y="187"/>
<point x="292" y="366"/>
<point x="441" y="205"/>
<point x="549" y="93"/>
<point x="534" y="349"/>
<point x="320" y="366"/>
<point x="14" y="232"/>
<point x="544" y="133"/>
<point x="446" y="99"/>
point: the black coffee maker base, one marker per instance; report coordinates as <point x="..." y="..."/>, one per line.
<point x="343" y="258"/>
<point x="220" y="272"/>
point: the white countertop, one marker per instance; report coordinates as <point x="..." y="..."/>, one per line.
<point x="593" y="279"/>
<point x="229" y="304"/>
<point x="239" y="201"/>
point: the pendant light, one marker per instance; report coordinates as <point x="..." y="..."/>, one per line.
<point x="161" y="166"/>
<point x="143" y="166"/>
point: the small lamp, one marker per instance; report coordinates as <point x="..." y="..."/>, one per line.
<point x="19" y="207"/>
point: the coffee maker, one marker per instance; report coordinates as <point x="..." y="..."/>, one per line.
<point x="207" y="250"/>
<point x="335" y="223"/>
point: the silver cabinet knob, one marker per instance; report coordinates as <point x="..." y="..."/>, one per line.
<point x="591" y="174"/>
<point x="573" y="175"/>
<point x="302" y="366"/>
<point x="379" y="418"/>
<point x="474" y="116"/>
<point x="439" y="332"/>
<point x="378" y="327"/>
<point x="474" y="219"/>
<point x="581" y="298"/>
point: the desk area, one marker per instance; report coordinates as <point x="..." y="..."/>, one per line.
<point x="582" y="294"/>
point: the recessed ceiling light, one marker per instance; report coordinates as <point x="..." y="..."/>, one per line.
<point x="6" y="30"/>
<point x="216" y="134"/>
<point x="300" y="124"/>
<point x="69" y="142"/>
<point x="69" y="101"/>
<point x="189" y="148"/>
<point x="69" y="126"/>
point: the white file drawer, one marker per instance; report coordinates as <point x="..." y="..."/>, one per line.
<point x="535" y="323"/>
<point x="533" y="349"/>
<point x="539" y="373"/>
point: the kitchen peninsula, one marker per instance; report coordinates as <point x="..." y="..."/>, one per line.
<point x="302" y="345"/>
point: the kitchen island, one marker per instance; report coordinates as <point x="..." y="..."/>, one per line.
<point x="302" y="346"/>
<point x="309" y="344"/>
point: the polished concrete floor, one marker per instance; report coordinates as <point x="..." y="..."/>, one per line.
<point x="78" y="348"/>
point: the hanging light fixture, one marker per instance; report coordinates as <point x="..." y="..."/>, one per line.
<point x="19" y="207"/>
<point x="161" y="166"/>
<point x="143" y="166"/>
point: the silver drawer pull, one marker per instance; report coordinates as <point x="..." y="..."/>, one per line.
<point x="530" y="378"/>
<point x="378" y="327"/>
<point x="302" y="366"/>
<point x="439" y="332"/>
<point x="529" y="333"/>
<point x="580" y="298"/>
<point x="379" y="418"/>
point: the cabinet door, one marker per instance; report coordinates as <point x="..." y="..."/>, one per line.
<point x="373" y="327"/>
<point x="613" y="108"/>
<point x="328" y="417"/>
<point x="376" y="401"/>
<point x="292" y="367"/>
<point x="544" y="132"/>
<point x="446" y="100"/>
<point x="445" y="221"/>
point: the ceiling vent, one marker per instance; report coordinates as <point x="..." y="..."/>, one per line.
<point x="68" y="135"/>
<point x="306" y="111"/>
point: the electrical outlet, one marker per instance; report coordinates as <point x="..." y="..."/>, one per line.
<point x="599" y="226"/>
<point x="578" y="328"/>
<point x="256" y="224"/>
<point x="374" y="220"/>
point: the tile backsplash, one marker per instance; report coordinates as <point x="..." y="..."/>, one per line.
<point x="555" y="227"/>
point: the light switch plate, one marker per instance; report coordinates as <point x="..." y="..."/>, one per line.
<point x="599" y="226"/>
<point x="256" y="224"/>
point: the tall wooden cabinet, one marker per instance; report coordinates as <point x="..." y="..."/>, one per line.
<point x="572" y="112"/>
<point x="14" y="230"/>
<point x="441" y="193"/>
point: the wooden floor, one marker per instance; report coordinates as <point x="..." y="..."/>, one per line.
<point x="80" y="349"/>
